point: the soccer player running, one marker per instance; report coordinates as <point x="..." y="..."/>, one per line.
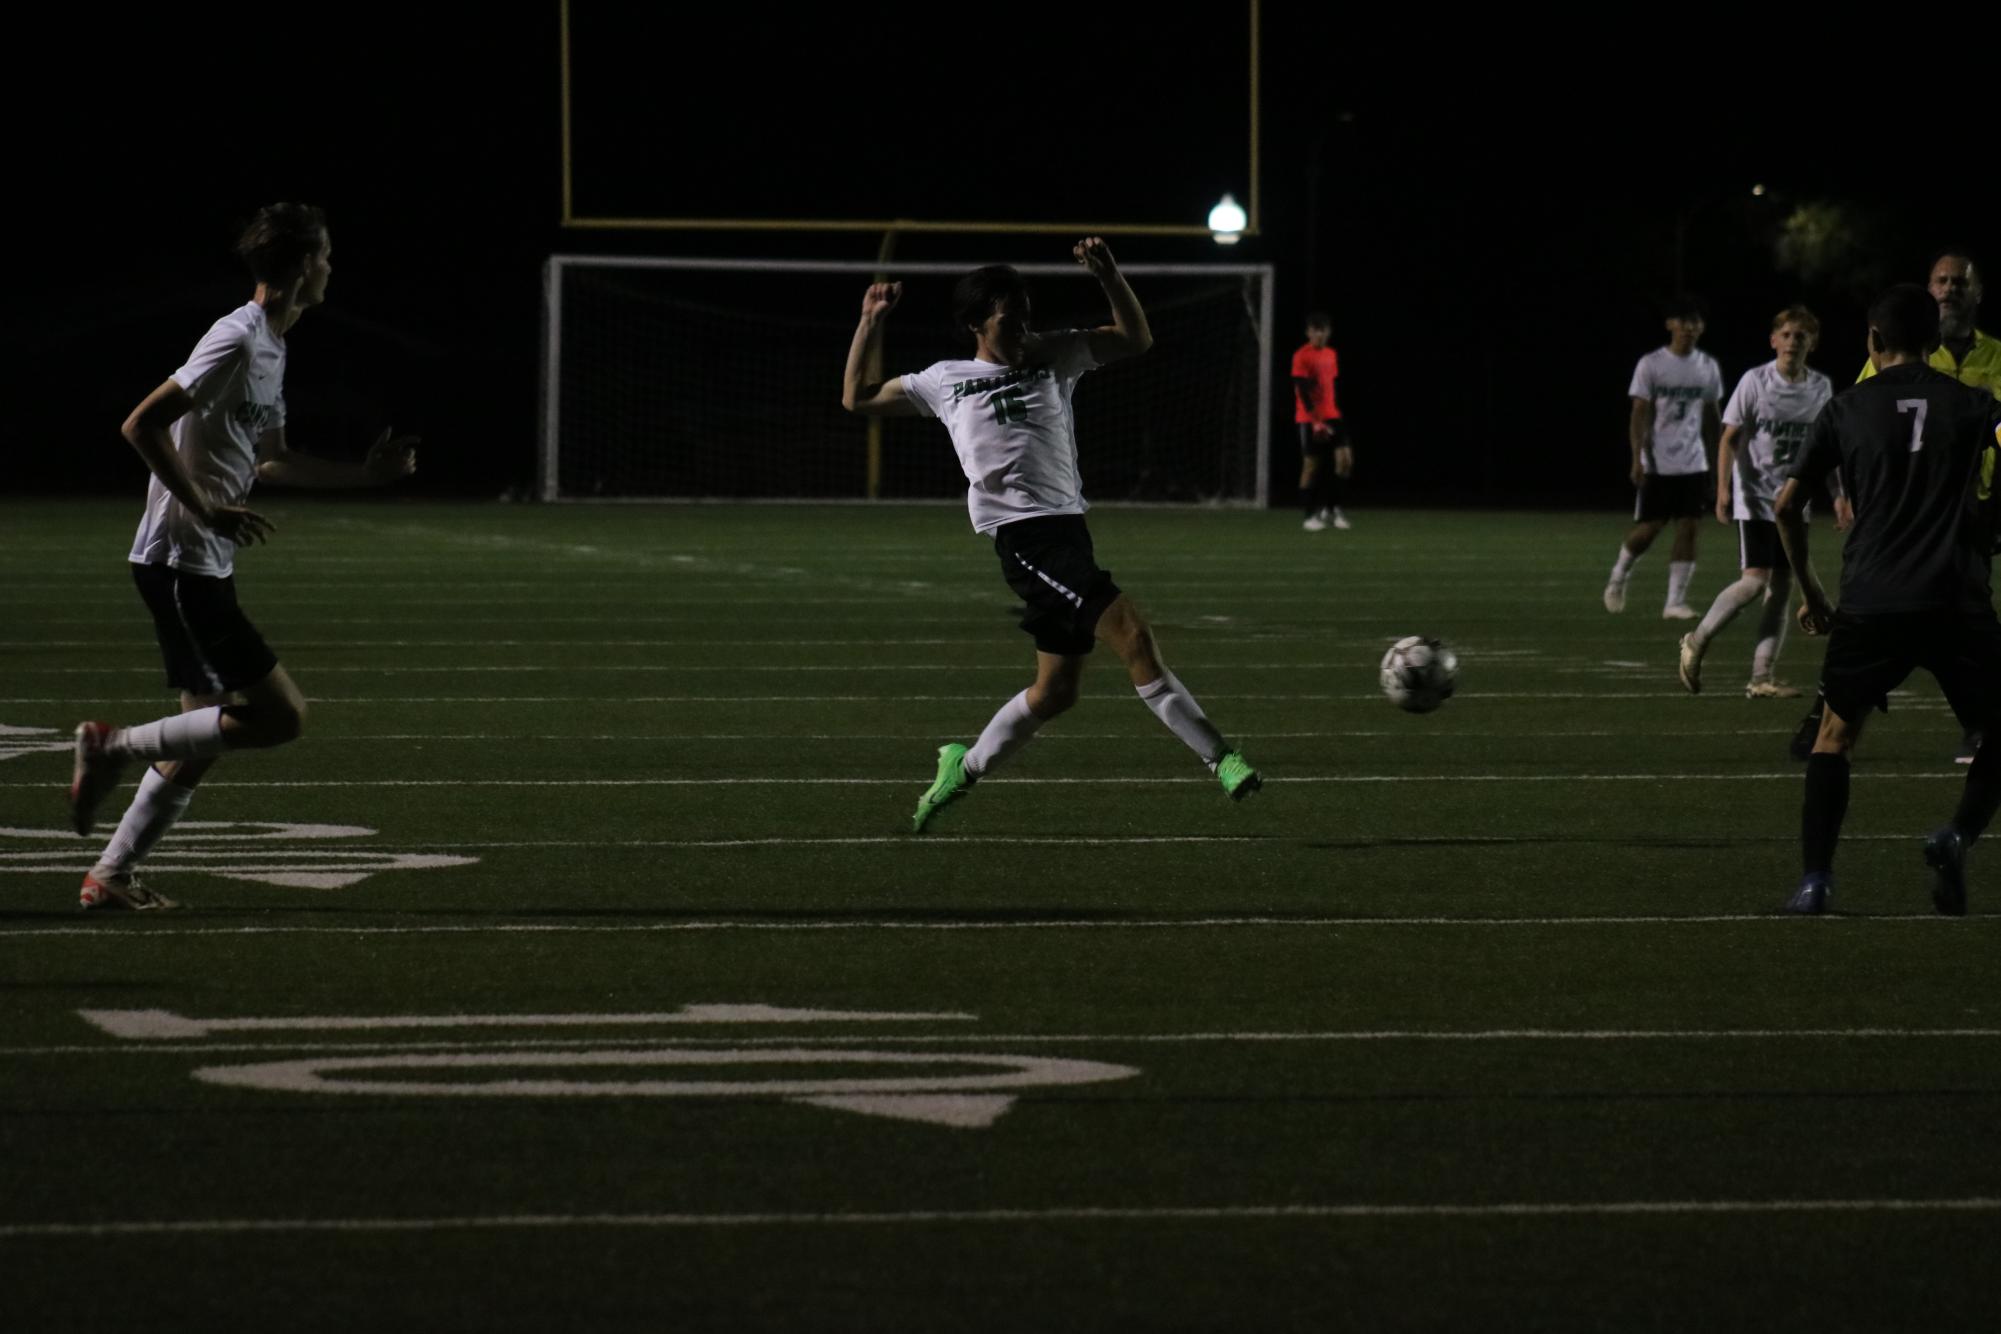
<point x="1326" y="459"/>
<point x="1007" y="409"/>
<point x="1672" y="430"/>
<point x="1915" y="579"/>
<point x="1776" y="403"/>
<point x="211" y="429"/>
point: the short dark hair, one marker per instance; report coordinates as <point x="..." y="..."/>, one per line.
<point x="1905" y="319"/>
<point x="978" y="293"/>
<point x="1684" y="307"/>
<point x="1319" y="319"/>
<point x="278" y="241"/>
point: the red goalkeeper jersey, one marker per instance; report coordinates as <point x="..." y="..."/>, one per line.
<point x="1319" y="367"/>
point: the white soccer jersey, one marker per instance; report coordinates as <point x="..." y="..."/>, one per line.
<point x="1678" y="387"/>
<point x="1012" y="427"/>
<point x="236" y="376"/>
<point x="1775" y="414"/>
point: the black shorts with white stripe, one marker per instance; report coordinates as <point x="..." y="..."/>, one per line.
<point x="1050" y="566"/>
<point x="1758" y="546"/>
<point x="209" y="645"/>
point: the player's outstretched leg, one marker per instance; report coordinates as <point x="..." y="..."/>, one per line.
<point x="959" y="767"/>
<point x="1126" y="631"/>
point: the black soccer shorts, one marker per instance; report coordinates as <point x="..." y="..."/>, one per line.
<point x="1049" y="564"/>
<point x="209" y="645"/>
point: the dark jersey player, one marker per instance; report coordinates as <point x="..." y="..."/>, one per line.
<point x="1915" y="579"/>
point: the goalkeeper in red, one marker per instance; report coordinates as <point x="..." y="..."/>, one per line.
<point x="1007" y="408"/>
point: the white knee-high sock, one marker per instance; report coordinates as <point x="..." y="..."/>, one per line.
<point x="1173" y="705"/>
<point x="1007" y="732"/>
<point x="1680" y="574"/>
<point x="1733" y="599"/>
<point x="152" y="813"/>
<point x="1622" y="568"/>
<point x="1772" y="624"/>
<point x="184" y="736"/>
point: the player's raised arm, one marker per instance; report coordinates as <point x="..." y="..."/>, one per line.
<point x="1127" y="335"/>
<point x="146" y="431"/>
<point x="883" y="398"/>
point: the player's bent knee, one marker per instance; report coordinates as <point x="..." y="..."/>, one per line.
<point x="1050" y="698"/>
<point x="260" y="726"/>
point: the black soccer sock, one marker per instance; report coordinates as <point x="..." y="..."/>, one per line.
<point x="1309" y="497"/>
<point x="1982" y="794"/>
<point x="1825" y="807"/>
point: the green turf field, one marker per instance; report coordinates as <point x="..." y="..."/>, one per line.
<point x="576" y="970"/>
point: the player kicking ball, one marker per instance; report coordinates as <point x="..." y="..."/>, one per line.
<point x="1007" y="410"/>
<point x="207" y="433"/>
<point x="1776" y="404"/>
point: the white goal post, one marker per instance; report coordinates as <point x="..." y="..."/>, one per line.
<point x="719" y="379"/>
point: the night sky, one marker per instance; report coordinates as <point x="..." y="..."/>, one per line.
<point x="1489" y="212"/>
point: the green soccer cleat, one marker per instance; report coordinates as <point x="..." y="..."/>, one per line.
<point x="950" y="784"/>
<point x="1239" y="780"/>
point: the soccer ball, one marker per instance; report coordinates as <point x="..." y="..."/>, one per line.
<point x="1419" y="674"/>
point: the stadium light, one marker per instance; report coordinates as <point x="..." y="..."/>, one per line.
<point x="1227" y="221"/>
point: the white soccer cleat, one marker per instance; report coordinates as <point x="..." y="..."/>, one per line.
<point x="119" y="891"/>
<point x="1341" y="521"/>
<point x="1691" y="664"/>
<point x="1680" y="611"/>
<point x="1615" y="595"/>
<point x="1764" y="687"/>
<point x="1315" y="524"/>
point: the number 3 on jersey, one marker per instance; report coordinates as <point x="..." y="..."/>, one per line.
<point x="1009" y="406"/>
<point x="1920" y="407"/>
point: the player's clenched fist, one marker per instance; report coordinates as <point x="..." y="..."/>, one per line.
<point x="1095" y="255"/>
<point x="880" y="299"/>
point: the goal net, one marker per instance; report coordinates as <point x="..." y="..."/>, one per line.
<point x="702" y="379"/>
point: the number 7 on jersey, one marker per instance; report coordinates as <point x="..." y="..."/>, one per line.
<point x="1918" y="406"/>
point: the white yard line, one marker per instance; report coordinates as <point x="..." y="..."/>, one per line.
<point x="178" y="1048"/>
<point x="1792" y="775"/>
<point x="1079" y="1214"/>
<point x="156" y="930"/>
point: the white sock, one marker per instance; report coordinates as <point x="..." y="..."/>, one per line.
<point x="1772" y="625"/>
<point x="184" y="736"/>
<point x="1733" y="599"/>
<point x="152" y="813"/>
<point x="1008" y="732"/>
<point x="1680" y="573"/>
<point x="1173" y="705"/>
<point x="1623" y="567"/>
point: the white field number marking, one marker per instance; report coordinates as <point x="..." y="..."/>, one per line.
<point x="236" y="850"/>
<point x="931" y="1087"/>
